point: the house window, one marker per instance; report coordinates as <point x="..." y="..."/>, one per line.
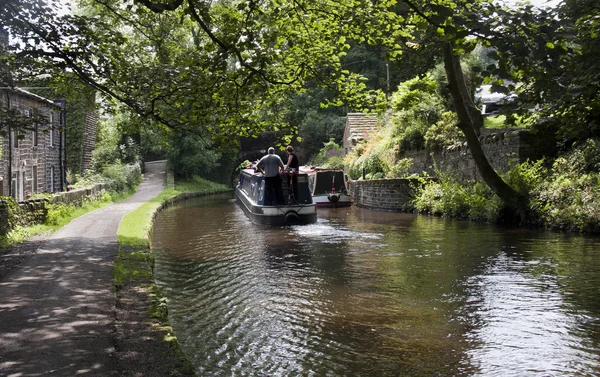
<point x="15" y="138"/>
<point x="51" y="133"/>
<point x="35" y="135"/>
<point x="51" y="188"/>
<point x="35" y="179"/>
<point x="14" y="185"/>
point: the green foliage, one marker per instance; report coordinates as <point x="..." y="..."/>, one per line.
<point x="191" y="155"/>
<point x="110" y="156"/>
<point x="569" y="196"/>
<point x="444" y="133"/>
<point x="400" y="168"/>
<point x="317" y="127"/>
<point x="467" y="200"/>
<point x="122" y="177"/>
<point x="373" y="162"/>
<point x="564" y="196"/>
<point x="107" y="151"/>
<point x="130" y="152"/>
<point x="9" y="211"/>
<point x="198" y="184"/>
<point x="331" y="156"/>
<point x="417" y="120"/>
<point x="58" y="211"/>
<point x="416" y="106"/>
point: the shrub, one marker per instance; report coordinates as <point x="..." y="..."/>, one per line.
<point x="569" y="196"/>
<point x="400" y="168"/>
<point x="331" y="156"/>
<point x="58" y="211"/>
<point x="9" y="214"/>
<point x="444" y="133"/>
<point x="468" y="200"/>
<point x="121" y="177"/>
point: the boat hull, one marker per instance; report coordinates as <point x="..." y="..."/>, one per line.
<point x="252" y="197"/>
<point x="327" y="187"/>
<point x="322" y="201"/>
<point x="276" y="215"/>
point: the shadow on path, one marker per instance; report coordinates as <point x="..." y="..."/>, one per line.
<point x="57" y="307"/>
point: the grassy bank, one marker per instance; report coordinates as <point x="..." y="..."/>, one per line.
<point x="133" y="277"/>
<point x="58" y="216"/>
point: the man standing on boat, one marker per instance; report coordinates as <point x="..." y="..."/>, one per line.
<point x="293" y="165"/>
<point x="271" y="165"/>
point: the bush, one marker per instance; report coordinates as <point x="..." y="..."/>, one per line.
<point x="444" y="133"/>
<point x="569" y="196"/>
<point x="58" y="211"/>
<point x="121" y="177"/>
<point x="190" y="155"/>
<point x="9" y="214"/>
<point x="565" y="196"/>
<point x="331" y="156"/>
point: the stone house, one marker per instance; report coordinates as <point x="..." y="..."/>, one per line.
<point x="32" y="158"/>
<point x="358" y="127"/>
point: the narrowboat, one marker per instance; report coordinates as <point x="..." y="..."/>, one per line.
<point x="327" y="187"/>
<point x="297" y="209"/>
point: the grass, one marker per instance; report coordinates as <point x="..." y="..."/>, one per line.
<point x="61" y="215"/>
<point x="498" y="121"/>
<point x="202" y="185"/>
<point x="135" y="258"/>
<point x="135" y="262"/>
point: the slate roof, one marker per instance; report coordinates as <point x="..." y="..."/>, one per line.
<point x="359" y="125"/>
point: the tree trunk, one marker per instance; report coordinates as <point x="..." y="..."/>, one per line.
<point x="470" y="121"/>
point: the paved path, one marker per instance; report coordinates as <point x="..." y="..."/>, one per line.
<point x="57" y="307"/>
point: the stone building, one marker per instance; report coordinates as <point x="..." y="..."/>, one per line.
<point x="358" y="127"/>
<point x="32" y="158"/>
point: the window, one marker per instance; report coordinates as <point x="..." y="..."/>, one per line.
<point x="14" y="184"/>
<point x="35" y="135"/>
<point x="15" y="138"/>
<point x="51" y="133"/>
<point x="35" y="179"/>
<point x="51" y="188"/>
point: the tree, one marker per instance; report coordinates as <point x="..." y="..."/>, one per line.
<point x="223" y="69"/>
<point x="211" y="68"/>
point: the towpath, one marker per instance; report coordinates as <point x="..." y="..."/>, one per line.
<point x="57" y="308"/>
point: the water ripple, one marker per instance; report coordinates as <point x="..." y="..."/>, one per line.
<point x="387" y="296"/>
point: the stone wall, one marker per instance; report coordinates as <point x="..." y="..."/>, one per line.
<point x="34" y="211"/>
<point x="89" y="140"/>
<point x="503" y="147"/>
<point x="383" y="194"/>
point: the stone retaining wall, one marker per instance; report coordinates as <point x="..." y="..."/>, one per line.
<point x="383" y="194"/>
<point x="34" y="211"/>
<point x="503" y="148"/>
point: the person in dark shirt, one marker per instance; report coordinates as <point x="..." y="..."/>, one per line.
<point x="292" y="167"/>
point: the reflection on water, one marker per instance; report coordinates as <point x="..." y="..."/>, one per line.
<point x="366" y="293"/>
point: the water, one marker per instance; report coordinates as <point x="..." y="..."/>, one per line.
<point x="366" y="293"/>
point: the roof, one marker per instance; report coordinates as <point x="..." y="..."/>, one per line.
<point x="359" y="125"/>
<point x="30" y="95"/>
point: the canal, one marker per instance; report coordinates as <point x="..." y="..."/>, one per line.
<point x="367" y="293"/>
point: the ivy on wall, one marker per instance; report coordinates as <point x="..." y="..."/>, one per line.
<point x="9" y="214"/>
